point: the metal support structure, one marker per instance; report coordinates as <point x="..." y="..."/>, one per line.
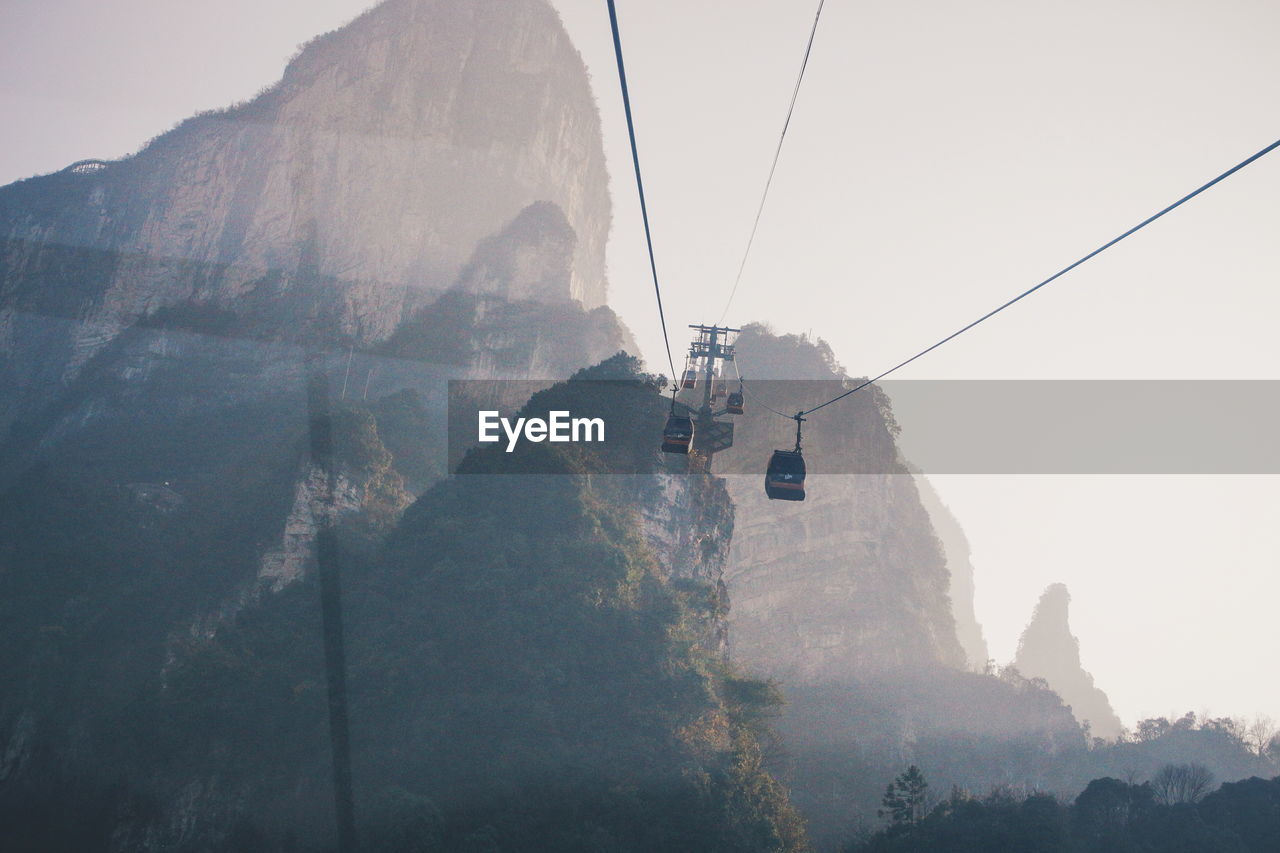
<point x="711" y="345"/>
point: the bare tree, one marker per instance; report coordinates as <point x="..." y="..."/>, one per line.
<point x="1259" y="734"/>
<point x="1181" y="783"/>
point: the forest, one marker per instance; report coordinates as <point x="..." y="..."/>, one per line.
<point x="1179" y="809"/>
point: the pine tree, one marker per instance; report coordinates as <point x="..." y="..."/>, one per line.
<point x="904" y="799"/>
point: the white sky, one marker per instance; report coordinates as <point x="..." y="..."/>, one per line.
<point x="943" y="157"/>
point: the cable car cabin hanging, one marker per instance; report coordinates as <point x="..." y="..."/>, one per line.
<point x="677" y="435"/>
<point x="717" y="389"/>
<point x="784" y="478"/>
<point x="734" y="405"/>
<point x="784" y="481"/>
<point x="690" y="380"/>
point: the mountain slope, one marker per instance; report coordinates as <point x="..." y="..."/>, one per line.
<point x="533" y="664"/>
<point x="956" y="546"/>
<point x="854" y="580"/>
<point x="360" y="183"/>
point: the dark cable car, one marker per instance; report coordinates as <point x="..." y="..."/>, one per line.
<point x="784" y="478"/>
<point x="677" y="435"/>
<point x="735" y="404"/>
<point x="784" y="481"/>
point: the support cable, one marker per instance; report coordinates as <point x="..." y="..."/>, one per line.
<point x="1143" y="224"/>
<point x="776" y="155"/>
<point x="635" y="158"/>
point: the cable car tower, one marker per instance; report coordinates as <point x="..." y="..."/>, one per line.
<point x="710" y="348"/>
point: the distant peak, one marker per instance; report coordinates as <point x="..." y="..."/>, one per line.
<point x="1053" y="607"/>
<point x="1048" y="650"/>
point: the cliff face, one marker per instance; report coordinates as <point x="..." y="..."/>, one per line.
<point x="1050" y="651"/>
<point x="956" y="546"/>
<point x="847" y="584"/>
<point x="859" y="602"/>
<point x="854" y="580"/>
<point x="422" y="197"/>
<point x="389" y="150"/>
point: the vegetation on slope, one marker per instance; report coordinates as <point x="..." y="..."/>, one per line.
<point x="1176" y="811"/>
<point x="523" y="673"/>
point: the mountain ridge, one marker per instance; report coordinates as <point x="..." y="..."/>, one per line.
<point x="388" y="150"/>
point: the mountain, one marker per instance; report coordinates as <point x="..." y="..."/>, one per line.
<point x="956" y="547"/>
<point x="846" y="600"/>
<point x="422" y="198"/>
<point x="338" y="202"/>
<point x="854" y="580"/>
<point x="229" y="355"/>
<point x="1048" y="650"/>
<point x="534" y="660"/>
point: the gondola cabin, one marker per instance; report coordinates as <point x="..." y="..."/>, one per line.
<point x="677" y="435"/>
<point x="717" y="389"/>
<point x="784" y="480"/>
<point x="689" y="380"/>
<point x="734" y="405"/>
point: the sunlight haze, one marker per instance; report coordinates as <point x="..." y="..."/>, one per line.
<point x="943" y="157"/>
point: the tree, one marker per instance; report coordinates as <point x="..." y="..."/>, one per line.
<point x="1151" y="728"/>
<point x="1106" y="808"/>
<point x="1174" y="784"/>
<point x="904" y="799"/>
<point x="1154" y="728"/>
<point x="1259" y="734"/>
<point x="1248" y="810"/>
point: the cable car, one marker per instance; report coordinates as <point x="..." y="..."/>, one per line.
<point x="734" y="405"/>
<point x="717" y="389"/>
<point x="784" y="479"/>
<point x="677" y="435"/>
<point x="690" y="380"/>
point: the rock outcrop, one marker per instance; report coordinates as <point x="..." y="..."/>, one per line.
<point x="387" y="153"/>
<point x="848" y="584"/>
<point x="1048" y="650"/>
<point x="853" y="581"/>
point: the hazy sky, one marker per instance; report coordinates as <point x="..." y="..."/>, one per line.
<point x="943" y="157"/>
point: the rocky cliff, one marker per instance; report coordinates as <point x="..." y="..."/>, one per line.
<point x="853" y="581"/>
<point x="379" y="163"/>
<point x="956" y="546"/>
<point x="1049" y="650"/>
<point x="422" y="197"/>
<point x="849" y="583"/>
<point x="859" y="601"/>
